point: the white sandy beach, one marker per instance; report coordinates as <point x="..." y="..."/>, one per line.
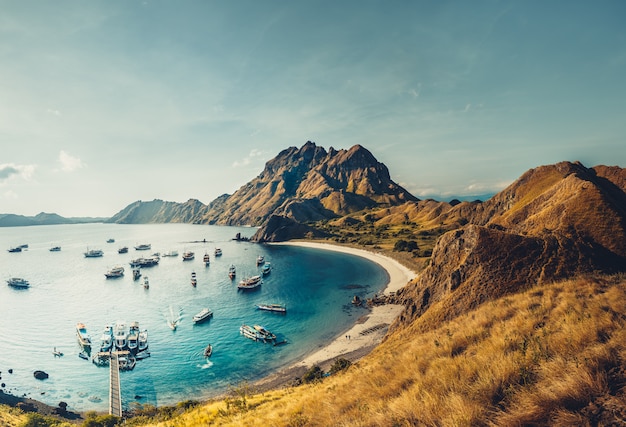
<point x="368" y="331"/>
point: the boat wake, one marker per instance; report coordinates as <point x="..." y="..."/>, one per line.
<point x="206" y="365"/>
<point x="173" y="317"/>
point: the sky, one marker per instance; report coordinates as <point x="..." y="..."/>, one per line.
<point x="103" y="103"/>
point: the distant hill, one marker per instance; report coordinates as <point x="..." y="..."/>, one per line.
<point x="12" y="220"/>
<point x="299" y="184"/>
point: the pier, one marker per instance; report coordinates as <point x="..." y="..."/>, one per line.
<point x="115" y="390"/>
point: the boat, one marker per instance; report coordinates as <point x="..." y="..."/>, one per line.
<point x="123" y="250"/>
<point x="249" y="332"/>
<point x="265" y="333"/>
<point x="267" y="267"/>
<point x="279" y="308"/>
<point x="18" y="282"/>
<point x="145" y="262"/>
<point x="115" y="272"/>
<point x="15" y="249"/>
<point x="136" y="273"/>
<point x="260" y="260"/>
<point x="171" y="253"/>
<point x="93" y="253"/>
<point x="232" y="271"/>
<point x="126" y="361"/>
<point x="218" y="252"/>
<point x="106" y="340"/>
<point x="143" y="340"/>
<point x="120" y="335"/>
<point x="56" y="352"/>
<point x="143" y="247"/>
<point x="356" y="300"/>
<point x="250" y="282"/>
<point x="55" y="249"/>
<point x="208" y="351"/>
<point x="204" y="314"/>
<point x="83" y="355"/>
<point x="188" y="256"/>
<point x="194" y="282"/>
<point x="83" y="337"/>
<point x="206" y="259"/>
<point x="133" y="337"/>
<point x="24" y="246"/>
<point x="146" y="284"/>
<point x="173" y="324"/>
<point x="111" y="240"/>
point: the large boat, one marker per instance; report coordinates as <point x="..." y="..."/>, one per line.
<point x="143" y="340"/>
<point x="115" y="272"/>
<point x="171" y="253"/>
<point x="83" y="337"/>
<point x="133" y="337"/>
<point x="143" y="247"/>
<point x="279" y="308"/>
<point x="249" y="332"/>
<point x="265" y="333"/>
<point x="232" y="271"/>
<point x="120" y="335"/>
<point x="250" y="282"/>
<point x="267" y="267"/>
<point x="145" y="262"/>
<point x="260" y="260"/>
<point x="93" y="253"/>
<point x="194" y="282"/>
<point x="204" y="314"/>
<point x="188" y="256"/>
<point x="106" y="340"/>
<point x="208" y="351"/>
<point x="206" y="259"/>
<point x="18" y="282"/>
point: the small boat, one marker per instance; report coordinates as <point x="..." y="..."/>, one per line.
<point x="356" y="300"/>
<point x="111" y="240"/>
<point x="106" y="340"/>
<point x="173" y="324"/>
<point x="249" y="332"/>
<point x="93" y="253"/>
<point x="232" y="271"/>
<point x="55" y="249"/>
<point x="204" y="314"/>
<point x="194" y="282"/>
<point x="126" y="362"/>
<point x="18" y="282"/>
<point x="24" y="246"/>
<point x="143" y="247"/>
<point x="120" y="335"/>
<point x="267" y="267"/>
<point x="115" y="272"/>
<point x="83" y="337"/>
<point x="133" y="337"/>
<point x="56" y="352"/>
<point x="279" y="308"/>
<point x="188" y="256"/>
<point x="143" y="340"/>
<point x="171" y="253"/>
<point x="260" y="260"/>
<point x="123" y="250"/>
<point x="83" y="355"/>
<point x="218" y="252"/>
<point x="250" y="282"/>
<point x="206" y="259"/>
<point x="265" y="333"/>
<point x="208" y="351"/>
<point x="15" y="249"/>
<point x="136" y="273"/>
<point x="146" y="284"/>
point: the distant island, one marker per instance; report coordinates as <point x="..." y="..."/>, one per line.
<point x="12" y="220"/>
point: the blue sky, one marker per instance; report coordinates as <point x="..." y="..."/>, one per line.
<point x="103" y="103"/>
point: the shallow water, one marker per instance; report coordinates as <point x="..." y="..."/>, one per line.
<point x="67" y="288"/>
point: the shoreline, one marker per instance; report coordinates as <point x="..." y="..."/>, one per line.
<point x="357" y="341"/>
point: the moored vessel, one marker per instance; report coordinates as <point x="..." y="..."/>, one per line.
<point x="18" y="282"/>
<point x="188" y="256"/>
<point x="114" y="272"/>
<point x="194" y="282"/>
<point x="279" y="308"/>
<point x="250" y="282"/>
<point x="143" y="247"/>
<point x="93" y="253"/>
<point x="204" y="314"/>
<point x="267" y="267"/>
<point x="83" y="337"/>
<point x="232" y="271"/>
<point x="120" y="335"/>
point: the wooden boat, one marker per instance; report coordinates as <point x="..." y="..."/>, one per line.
<point x="232" y="271"/>
<point x="250" y="283"/>
<point x="208" y="351"/>
<point x="194" y="282"/>
<point x="206" y="259"/>
<point x="279" y="308"/>
<point x="188" y="256"/>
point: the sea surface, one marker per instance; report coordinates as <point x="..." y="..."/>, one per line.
<point x="67" y="288"/>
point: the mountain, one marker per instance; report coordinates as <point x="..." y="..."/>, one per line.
<point x="554" y="222"/>
<point x="302" y="184"/>
<point x="12" y="220"/>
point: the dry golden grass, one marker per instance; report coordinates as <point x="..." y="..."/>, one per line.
<point x="539" y="357"/>
<point x="10" y="417"/>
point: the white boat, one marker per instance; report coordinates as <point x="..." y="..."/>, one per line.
<point x="267" y="267"/>
<point x="171" y="253"/>
<point x="117" y="271"/>
<point x="260" y="260"/>
<point x="250" y="332"/>
<point x="218" y="252"/>
<point x="194" y="282"/>
<point x="232" y="271"/>
<point x="145" y="262"/>
<point x="106" y="340"/>
<point x="204" y="314"/>
<point x="279" y="308"/>
<point x="208" y="351"/>
<point x="143" y="340"/>
<point x="250" y="282"/>
<point x="143" y="247"/>
<point x="146" y="284"/>
<point x="18" y="282"/>
<point x="265" y="333"/>
<point x="173" y="324"/>
<point x="188" y="256"/>
<point x="93" y="253"/>
<point x="133" y="337"/>
<point x="206" y="259"/>
<point x="123" y="250"/>
<point x="83" y="337"/>
<point x="136" y="273"/>
<point x="120" y="335"/>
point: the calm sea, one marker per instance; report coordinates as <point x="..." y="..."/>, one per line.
<point x="67" y="288"/>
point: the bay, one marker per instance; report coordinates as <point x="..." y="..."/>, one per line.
<point x="67" y="288"/>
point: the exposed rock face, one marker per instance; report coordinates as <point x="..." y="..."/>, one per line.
<point x="158" y="211"/>
<point x="281" y="228"/>
<point x="554" y="222"/>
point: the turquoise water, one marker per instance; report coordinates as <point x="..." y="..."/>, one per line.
<point x="67" y="288"/>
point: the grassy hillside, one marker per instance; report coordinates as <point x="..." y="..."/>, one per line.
<point x="551" y="355"/>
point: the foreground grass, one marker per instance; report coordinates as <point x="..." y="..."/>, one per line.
<point x="552" y="355"/>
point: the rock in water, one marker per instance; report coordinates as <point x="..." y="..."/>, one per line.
<point x="40" y="375"/>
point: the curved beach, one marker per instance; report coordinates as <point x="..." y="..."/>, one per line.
<point x="361" y="338"/>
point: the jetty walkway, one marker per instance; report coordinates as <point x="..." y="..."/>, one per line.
<point x="115" y="390"/>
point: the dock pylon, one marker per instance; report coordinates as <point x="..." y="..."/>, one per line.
<point x="115" y="389"/>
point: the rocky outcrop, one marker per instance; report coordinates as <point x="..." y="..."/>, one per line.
<point x="158" y="211"/>
<point x="280" y="229"/>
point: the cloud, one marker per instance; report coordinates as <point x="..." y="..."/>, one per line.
<point x="9" y="171"/>
<point x="254" y="153"/>
<point x="69" y="163"/>
<point x="53" y="112"/>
